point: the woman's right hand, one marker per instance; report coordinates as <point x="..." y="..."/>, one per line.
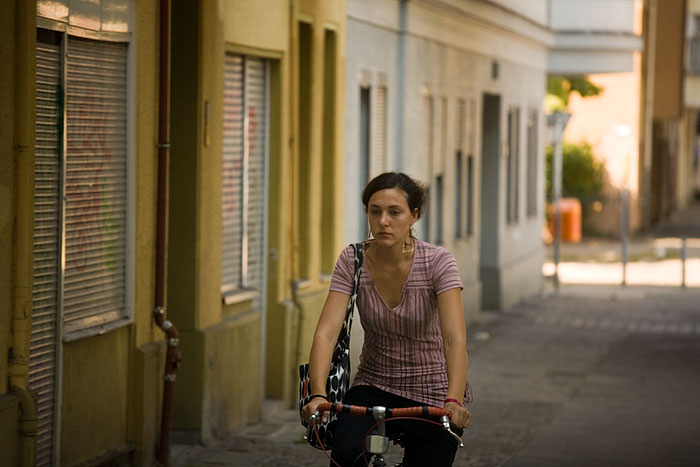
<point x="309" y="409"/>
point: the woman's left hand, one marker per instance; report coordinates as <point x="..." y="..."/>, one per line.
<point x="460" y="415"/>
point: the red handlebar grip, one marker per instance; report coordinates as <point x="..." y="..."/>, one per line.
<point x="419" y="411"/>
<point x="423" y="411"/>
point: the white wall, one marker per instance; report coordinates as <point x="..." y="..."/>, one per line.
<point x="449" y="51"/>
<point x="371" y="56"/>
<point x="592" y="15"/>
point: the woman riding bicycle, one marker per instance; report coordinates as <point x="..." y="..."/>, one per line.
<point x="410" y="304"/>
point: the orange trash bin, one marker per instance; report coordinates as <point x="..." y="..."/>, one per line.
<point x="570" y="220"/>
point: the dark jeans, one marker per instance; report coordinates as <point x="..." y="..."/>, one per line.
<point x="425" y="444"/>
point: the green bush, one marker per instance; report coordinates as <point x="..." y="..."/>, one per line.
<point x="582" y="176"/>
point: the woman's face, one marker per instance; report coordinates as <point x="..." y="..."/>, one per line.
<point x="390" y="218"/>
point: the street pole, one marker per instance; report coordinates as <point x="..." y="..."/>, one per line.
<point x="623" y="232"/>
<point x="684" y="252"/>
<point x="556" y="181"/>
<point x="558" y="120"/>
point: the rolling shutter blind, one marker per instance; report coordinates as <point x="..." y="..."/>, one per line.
<point x="244" y="179"/>
<point x="45" y="292"/>
<point x="96" y="190"/>
<point x="232" y="190"/>
<point x="256" y="99"/>
<point x="380" y="159"/>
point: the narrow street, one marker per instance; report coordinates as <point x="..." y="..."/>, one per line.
<point x="593" y="376"/>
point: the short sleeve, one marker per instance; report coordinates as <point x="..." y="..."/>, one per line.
<point x="445" y="272"/>
<point x="342" y="279"/>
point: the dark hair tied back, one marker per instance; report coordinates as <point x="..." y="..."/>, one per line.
<point x="415" y="192"/>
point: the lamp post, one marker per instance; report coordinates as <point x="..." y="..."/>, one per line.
<point x="558" y="121"/>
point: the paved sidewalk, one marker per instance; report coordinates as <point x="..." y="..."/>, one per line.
<point x="593" y="376"/>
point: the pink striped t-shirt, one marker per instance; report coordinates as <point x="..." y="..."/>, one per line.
<point x="403" y="350"/>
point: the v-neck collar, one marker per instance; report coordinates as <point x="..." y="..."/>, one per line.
<point x="403" y="288"/>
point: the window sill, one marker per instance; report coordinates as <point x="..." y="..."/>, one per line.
<point x="92" y="331"/>
<point x="238" y="296"/>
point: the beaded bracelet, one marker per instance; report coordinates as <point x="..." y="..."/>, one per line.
<point x="449" y="399"/>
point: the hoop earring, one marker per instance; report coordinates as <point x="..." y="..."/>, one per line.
<point x="407" y="248"/>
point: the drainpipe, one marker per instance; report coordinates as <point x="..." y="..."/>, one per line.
<point x="401" y="82"/>
<point x="28" y="425"/>
<point x="25" y="46"/>
<point x="172" y="357"/>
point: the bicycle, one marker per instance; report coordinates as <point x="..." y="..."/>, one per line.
<point x="376" y="441"/>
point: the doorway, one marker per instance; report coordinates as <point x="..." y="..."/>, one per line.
<point x="490" y="191"/>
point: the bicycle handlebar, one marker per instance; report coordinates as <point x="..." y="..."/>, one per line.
<point x="384" y="412"/>
<point x="381" y="413"/>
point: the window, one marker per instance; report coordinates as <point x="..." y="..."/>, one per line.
<point x="464" y="168"/>
<point x="80" y="205"/>
<point x="379" y="160"/>
<point x="365" y="150"/>
<point x="438" y="171"/>
<point x="470" y="195"/>
<point x="532" y="167"/>
<point x="694" y="53"/>
<point x="243" y="174"/>
<point x="437" y="231"/>
<point x="329" y="135"/>
<point x="429" y="153"/>
<point x="82" y="158"/>
<point x="512" y="165"/>
<point x="304" y="117"/>
<point x="459" y="194"/>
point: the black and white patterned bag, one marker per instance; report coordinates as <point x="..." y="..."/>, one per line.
<point x="339" y="375"/>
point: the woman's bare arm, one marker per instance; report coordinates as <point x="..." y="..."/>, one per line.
<point x="454" y="335"/>
<point x="325" y="337"/>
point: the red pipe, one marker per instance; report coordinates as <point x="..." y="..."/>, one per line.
<point x="172" y="357"/>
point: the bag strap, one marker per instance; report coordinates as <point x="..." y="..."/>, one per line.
<point x="347" y="325"/>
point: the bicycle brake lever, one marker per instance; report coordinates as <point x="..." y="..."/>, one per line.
<point x="310" y="428"/>
<point x="446" y="425"/>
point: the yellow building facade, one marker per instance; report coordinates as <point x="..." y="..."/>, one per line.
<point x="246" y="314"/>
<point x="77" y="282"/>
<point x="254" y="220"/>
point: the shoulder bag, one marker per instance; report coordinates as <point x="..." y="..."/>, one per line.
<point x="339" y="376"/>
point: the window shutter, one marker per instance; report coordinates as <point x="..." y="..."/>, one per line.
<point x="232" y="187"/>
<point x="45" y="291"/>
<point x="96" y="188"/>
<point x="256" y="128"/>
<point x="380" y="158"/>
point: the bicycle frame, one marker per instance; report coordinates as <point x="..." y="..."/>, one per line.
<point x="376" y="442"/>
